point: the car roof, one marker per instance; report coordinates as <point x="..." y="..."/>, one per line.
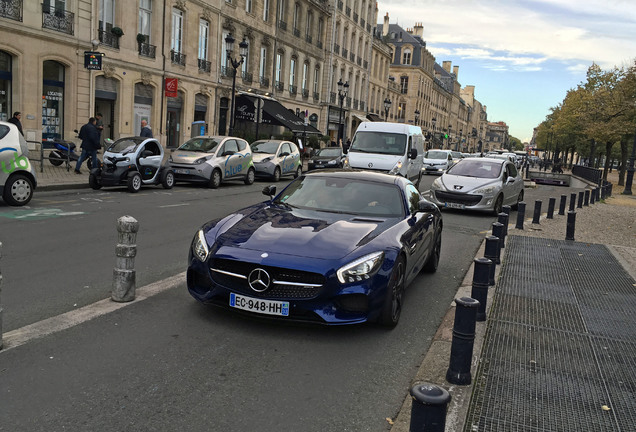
<point x="355" y="174"/>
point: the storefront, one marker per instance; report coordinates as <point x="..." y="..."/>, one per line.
<point x="52" y="101"/>
<point x="5" y="86"/>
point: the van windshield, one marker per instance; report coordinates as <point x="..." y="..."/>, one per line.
<point x="379" y="142"/>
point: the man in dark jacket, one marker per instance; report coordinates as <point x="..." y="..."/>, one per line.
<point x="145" y="130"/>
<point x="16" y="121"/>
<point x="90" y="143"/>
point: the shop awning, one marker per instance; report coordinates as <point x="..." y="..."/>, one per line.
<point x="359" y="117"/>
<point x="273" y="112"/>
<point x="374" y="117"/>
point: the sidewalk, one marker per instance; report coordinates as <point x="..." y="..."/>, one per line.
<point x="51" y="177"/>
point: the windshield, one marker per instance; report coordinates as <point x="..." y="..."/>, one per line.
<point x="379" y="142"/>
<point x="344" y="195"/>
<point x="328" y="152"/>
<point x="124" y="145"/>
<point x="433" y="154"/>
<point x="269" y="147"/>
<point x="476" y="168"/>
<point x="204" y="145"/>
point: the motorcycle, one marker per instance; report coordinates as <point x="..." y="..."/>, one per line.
<point x="64" y="152"/>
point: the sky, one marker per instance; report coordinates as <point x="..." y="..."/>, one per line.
<point x="522" y="56"/>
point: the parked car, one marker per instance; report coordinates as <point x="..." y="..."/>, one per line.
<point x="327" y="157"/>
<point x="17" y="176"/>
<point x="333" y="247"/>
<point x="457" y="156"/>
<point x="133" y="162"/>
<point x="479" y="184"/>
<point x="276" y="158"/>
<point x="212" y="160"/>
<point x="437" y="161"/>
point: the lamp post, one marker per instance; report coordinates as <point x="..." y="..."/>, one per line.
<point x="459" y="144"/>
<point x="387" y="106"/>
<point x="343" y="89"/>
<point x="229" y="47"/>
<point x="433" y="120"/>
<point x="630" y="171"/>
<point x="417" y="117"/>
<point x="449" y="135"/>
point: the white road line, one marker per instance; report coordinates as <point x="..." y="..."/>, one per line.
<point x="174" y="205"/>
<point x="46" y="327"/>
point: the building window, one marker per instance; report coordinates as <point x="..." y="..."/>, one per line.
<point x="177" y="30"/>
<point x="52" y="100"/>
<point x="204" y="32"/>
<point x="145" y="18"/>
<point x="292" y="75"/>
<point x="404" y="84"/>
<point x="296" y="19"/>
<point x="406" y="57"/>
<point x="266" y="10"/>
<point x="319" y="33"/>
<point x="316" y="79"/>
<point x="263" y="63"/>
<point x="246" y="59"/>
<point x="248" y="6"/>
<point x="305" y="77"/>
<point x="224" y="60"/>
<point x="5" y="86"/>
<point x="279" y="71"/>
<point x="281" y="10"/>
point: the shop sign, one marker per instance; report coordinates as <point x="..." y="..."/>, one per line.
<point x="93" y="60"/>
<point x="171" y="87"/>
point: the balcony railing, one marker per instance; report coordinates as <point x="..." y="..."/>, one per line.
<point x="361" y="105"/>
<point x="177" y="57"/>
<point x="345" y="52"/>
<point x="362" y="22"/>
<point x="308" y="38"/>
<point x="369" y="27"/>
<point x="355" y="18"/>
<point x="204" y="65"/>
<point x="57" y="19"/>
<point x="352" y="57"/>
<point x="365" y="64"/>
<point x="280" y="86"/>
<point x="11" y="9"/>
<point x="108" y="39"/>
<point x="247" y="77"/>
<point x="332" y="98"/>
<point x="305" y="93"/>
<point x="319" y="44"/>
<point x="359" y="61"/>
<point x="147" y="50"/>
<point x="336" y="48"/>
<point x="340" y="4"/>
<point x="316" y="96"/>
<point x="282" y="25"/>
<point x="355" y="104"/>
<point x="264" y="82"/>
<point x="348" y="102"/>
<point x="293" y="89"/>
<point x="348" y="11"/>
<point x="296" y="32"/>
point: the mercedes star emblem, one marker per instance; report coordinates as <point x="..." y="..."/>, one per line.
<point x="259" y="280"/>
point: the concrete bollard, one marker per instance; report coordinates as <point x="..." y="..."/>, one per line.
<point x="580" y="202"/>
<point x="493" y="253"/>
<point x="521" y="215"/>
<point x="481" y="278"/>
<point x="536" y="216"/>
<point x="126" y="250"/>
<point x="551" y="204"/>
<point x="593" y="196"/>
<point x="428" y="411"/>
<point x="502" y="218"/>
<point x="463" y="339"/>
<point x="569" y="232"/>
<point x="1" y="343"/>
<point x="497" y="231"/>
<point x="586" y="200"/>
<point x="572" y="201"/>
<point x="562" y="203"/>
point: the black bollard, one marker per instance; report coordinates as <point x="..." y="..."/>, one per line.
<point x="586" y="200"/>
<point x="428" y="411"/>
<point x="593" y="196"/>
<point x="506" y="209"/>
<point x="580" y="203"/>
<point x="551" y="204"/>
<point x="572" y="201"/>
<point x="493" y="253"/>
<point x="479" y="292"/>
<point x="502" y="218"/>
<point x="564" y="199"/>
<point x="497" y="231"/>
<point x="537" y="211"/>
<point x="521" y="215"/>
<point x="463" y="339"/>
<point x="569" y="233"/>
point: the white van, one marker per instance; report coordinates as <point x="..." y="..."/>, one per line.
<point x="393" y="148"/>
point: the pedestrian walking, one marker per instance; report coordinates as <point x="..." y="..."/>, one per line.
<point x="16" y="121"/>
<point x="90" y="143"/>
<point x="145" y="130"/>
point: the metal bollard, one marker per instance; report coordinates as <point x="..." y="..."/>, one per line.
<point x="479" y="292"/>
<point x="493" y="253"/>
<point x="1" y="343"/>
<point x="586" y="200"/>
<point x="569" y="233"/>
<point x="521" y="215"/>
<point x="551" y="204"/>
<point x="580" y="203"/>
<point x="537" y="211"/>
<point x="564" y="199"/>
<point x="593" y="196"/>
<point x="506" y="209"/>
<point x="497" y="231"/>
<point x="463" y="339"/>
<point x="428" y="411"/>
<point x="572" y="201"/>
<point x="502" y="218"/>
<point x="126" y="250"/>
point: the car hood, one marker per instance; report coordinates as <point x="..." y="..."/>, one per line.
<point x="435" y="161"/>
<point x="305" y="233"/>
<point x="188" y="157"/>
<point x="465" y="184"/>
<point x="325" y="158"/>
<point x="372" y="160"/>
<point x="258" y="157"/>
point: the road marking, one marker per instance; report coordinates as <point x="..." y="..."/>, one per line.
<point x="174" y="205"/>
<point x="46" y="327"/>
<point x="38" y="214"/>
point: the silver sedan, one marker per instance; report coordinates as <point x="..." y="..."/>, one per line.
<point x="485" y="184"/>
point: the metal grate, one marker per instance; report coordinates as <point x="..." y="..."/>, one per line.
<point x="559" y="342"/>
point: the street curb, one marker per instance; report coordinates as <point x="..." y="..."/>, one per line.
<point x="63" y="186"/>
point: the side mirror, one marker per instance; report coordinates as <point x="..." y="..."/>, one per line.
<point x="270" y="191"/>
<point x="425" y="206"/>
<point x="413" y="154"/>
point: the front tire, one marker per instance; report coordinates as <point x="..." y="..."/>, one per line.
<point x="519" y="199"/>
<point x="56" y="158"/>
<point x="299" y="171"/>
<point x="167" y="179"/>
<point x="276" y="176"/>
<point x="134" y="182"/>
<point x="392" y="308"/>
<point x="433" y="260"/>
<point x="215" y="179"/>
<point x="498" y="207"/>
<point x="251" y="175"/>
<point x="93" y="182"/>
<point x="18" y="190"/>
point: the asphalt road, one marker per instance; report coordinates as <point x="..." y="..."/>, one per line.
<point x="168" y="363"/>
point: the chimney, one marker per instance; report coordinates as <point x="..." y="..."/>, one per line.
<point x="418" y="30"/>
<point x="385" y="26"/>
<point x="447" y="66"/>
<point x="456" y="72"/>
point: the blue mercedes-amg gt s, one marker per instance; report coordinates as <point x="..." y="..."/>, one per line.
<point x="333" y="247"/>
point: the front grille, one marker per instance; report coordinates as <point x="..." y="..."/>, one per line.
<point x="286" y="283"/>
<point x="458" y="198"/>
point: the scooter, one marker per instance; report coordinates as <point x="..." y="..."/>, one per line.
<point x="64" y="152"/>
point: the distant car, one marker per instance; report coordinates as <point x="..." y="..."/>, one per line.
<point x="457" y="156"/>
<point x="327" y="157"/>
<point x="17" y="176"/>
<point x="333" y="247"/>
<point x="213" y="159"/>
<point x="437" y="161"/>
<point x="276" y="158"/>
<point x="479" y="184"/>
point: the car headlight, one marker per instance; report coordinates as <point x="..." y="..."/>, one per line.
<point x="310" y="161"/>
<point x="200" y="246"/>
<point x="332" y="162"/>
<point x="267" y="159"/>
<point x="437" y="184"/>
<point x="200" y="160"/>
<point x="361" y="269"/>
<point x="487" y="190"/>
<point x="396" y="169"/>
<point x="346" y="163"/>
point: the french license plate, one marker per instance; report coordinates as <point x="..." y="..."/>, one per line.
<point x="181" y="171"/>
<point x="455" y="205"/>
<point x="269" y="307"/>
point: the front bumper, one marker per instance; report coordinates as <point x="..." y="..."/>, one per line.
<point x="447" y="199"/>
<point x="264" y="169"/>
<point x="200" y="173"/>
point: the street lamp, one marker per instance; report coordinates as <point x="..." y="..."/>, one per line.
<point x="387" y="106"/>
<point x="417" y="116"/>
<point x="433" y="120"/>
<point x="449" y="135"/>
<point x="459" y="144"/>
<point x="229" y="47"/>
<point x="630" y="171"/>
<point x="343" y="89"/>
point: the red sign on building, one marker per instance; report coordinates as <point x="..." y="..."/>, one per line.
<point x="171" y="87"/>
